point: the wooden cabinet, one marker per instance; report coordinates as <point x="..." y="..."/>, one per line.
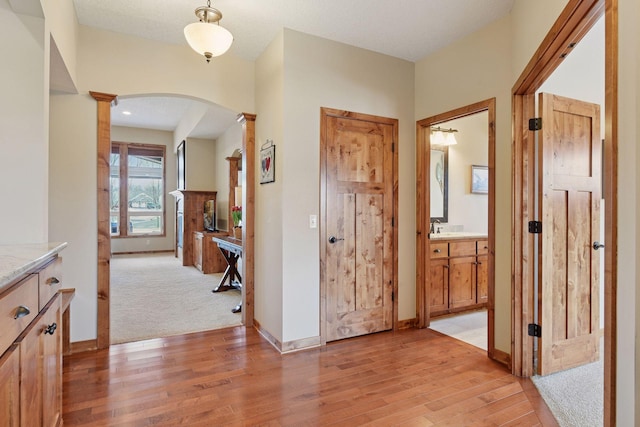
<point x="189" y="218"/>
<point x="31" y="364"/>
<point x="206" y="256"/>
<point x="10" y="387"/>
<point x="458" y="275"/>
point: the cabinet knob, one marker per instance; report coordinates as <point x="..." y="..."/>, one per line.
<point x="436" y="251"/>
<point x="21" y="312"/>
<point x="50" y="329"/>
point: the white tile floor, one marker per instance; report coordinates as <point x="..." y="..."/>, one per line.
<point x="468" y="327"/>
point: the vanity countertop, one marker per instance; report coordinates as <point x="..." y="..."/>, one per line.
<point x="455" y="235"/>
<point x="15" y="260"/>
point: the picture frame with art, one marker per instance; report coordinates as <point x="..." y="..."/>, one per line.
<point x="479" y="179"/>
<point x="268" y="163"/>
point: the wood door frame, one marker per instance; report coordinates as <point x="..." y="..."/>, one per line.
<point x="577" y="18"/>
<point x="423" y="260"/>
<point x="247" y="121"/>
<point x="329" y="112"/>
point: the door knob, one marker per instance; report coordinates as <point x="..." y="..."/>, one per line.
<point x="597" y="245"/>
<point x="334" y="239"/>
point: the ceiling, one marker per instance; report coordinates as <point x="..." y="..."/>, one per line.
<point x="406" y="29"/>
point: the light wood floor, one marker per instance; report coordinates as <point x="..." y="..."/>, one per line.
<point x="233" y="377"/>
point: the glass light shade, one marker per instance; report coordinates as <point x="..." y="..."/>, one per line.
<point x="450" y="139"/>
<point x="208" y="39"/>
<point x="437" y="138"/>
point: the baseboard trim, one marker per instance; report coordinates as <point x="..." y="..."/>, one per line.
<point x="267" y="336"/>
<point x="82" y="346"/>
<point x="501" y="357"/>
<point x="289" y="346"/>
<point x="144" y="252"/>
<point x="407" y="323"/>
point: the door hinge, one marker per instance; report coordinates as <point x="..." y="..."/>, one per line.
<point x="535" y="227"/>
<point x="535" y="330"/>
<point x="393" y="296"/>
<point x="393" y="221"/>
<point x="535" y="123"/>
<point x="393" y="147"/>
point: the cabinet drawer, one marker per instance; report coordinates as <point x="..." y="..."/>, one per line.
<point x="483" y="247"/>
<point x="439" y="250"/>
<point x="25" y="295"/>
<point x="50" y="279"/>
<point x="462" y="248"/>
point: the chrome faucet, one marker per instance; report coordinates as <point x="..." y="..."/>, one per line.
<point x="432" y="229"/>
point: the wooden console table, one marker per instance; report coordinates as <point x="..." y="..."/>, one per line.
<point x="231" y="249"/>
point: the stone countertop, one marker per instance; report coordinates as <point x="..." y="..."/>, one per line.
<point x="16" y="260"/>
<point x="455" y="235"/>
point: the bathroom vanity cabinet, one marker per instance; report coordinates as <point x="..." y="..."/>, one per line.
<point x="458" y="274"/>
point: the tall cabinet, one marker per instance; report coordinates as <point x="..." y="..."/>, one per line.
<point x="189" y="218"/>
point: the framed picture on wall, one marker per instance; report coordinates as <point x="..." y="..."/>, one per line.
<point x="479" y="179"/>
<point x="268" y="163"/>
<point x="180" y="169"/>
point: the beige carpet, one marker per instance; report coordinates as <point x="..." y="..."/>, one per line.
<point x="575" y="396"/>
<point x="153" y="295"/>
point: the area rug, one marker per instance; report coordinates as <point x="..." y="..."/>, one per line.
<point x="153" y="296"/>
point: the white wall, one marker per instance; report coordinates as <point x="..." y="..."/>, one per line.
<point x="268" y="197"/>
<point x="72" y="203"/>
<point x="465" y="208"/>
<point x="151" y="243"/>
<point x="200" y="164"/>
<point x="473" y="69"/>
<point x="322" y="73"/>
<point x="24" y="113"/>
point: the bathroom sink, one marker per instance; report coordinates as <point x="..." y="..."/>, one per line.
<point x="448" y="235"/>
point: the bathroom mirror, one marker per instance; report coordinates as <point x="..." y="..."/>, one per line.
<point x="438" y="181"/>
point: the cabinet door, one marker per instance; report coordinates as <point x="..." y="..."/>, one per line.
<point x="31" y="376"/>
<point x="482" y="279"/>
<point x="462" y="282"/>
<point x="10" y="388"/>
<point x="439" y="291"/>
<point x="51" y="350"/>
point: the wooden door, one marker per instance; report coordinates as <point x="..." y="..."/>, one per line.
<point x="570" y="153"/>
<point x="358" y="175"/>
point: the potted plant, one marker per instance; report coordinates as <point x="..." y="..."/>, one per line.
<point x="236" y="216"/>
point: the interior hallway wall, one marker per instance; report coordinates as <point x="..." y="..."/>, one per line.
<point x="470" y="70"/>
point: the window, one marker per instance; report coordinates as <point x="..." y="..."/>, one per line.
<point x="137" y="190"/>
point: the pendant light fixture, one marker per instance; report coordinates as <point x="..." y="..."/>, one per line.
<point x="207" y="37"/>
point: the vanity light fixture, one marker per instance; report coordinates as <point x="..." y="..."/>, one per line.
<point x="207" y="37"/>
<point x="438" y="136"/>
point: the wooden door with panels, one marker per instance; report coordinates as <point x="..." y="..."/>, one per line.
<point x="359" y="178"/>
<point x="570" y="153"/>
